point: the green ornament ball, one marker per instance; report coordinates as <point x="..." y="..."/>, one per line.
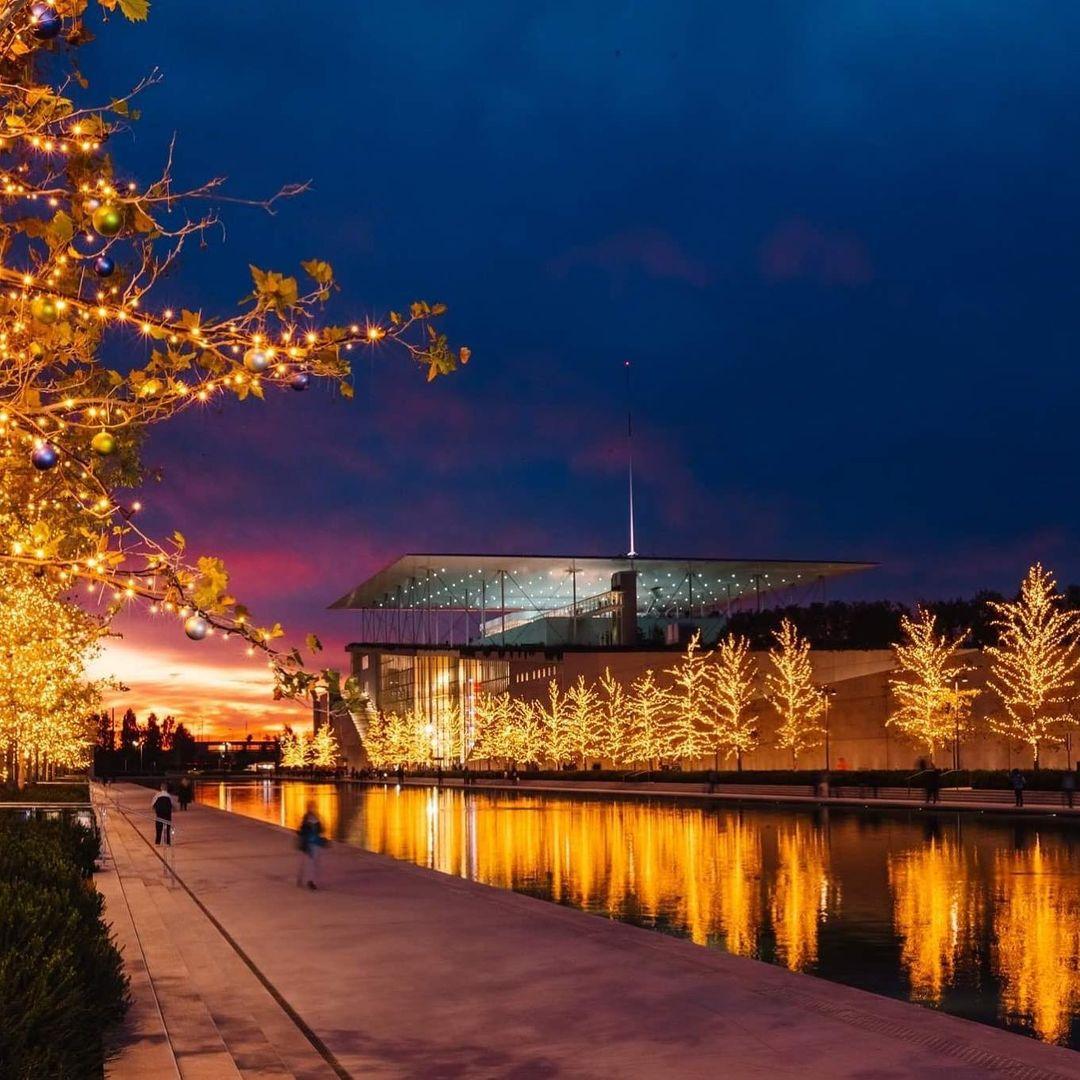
<point x="108" y="220"/>
<point x="103" y="444"/>
<point x="44" y="310"/>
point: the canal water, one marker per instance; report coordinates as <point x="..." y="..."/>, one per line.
<point x="974" y="914"/>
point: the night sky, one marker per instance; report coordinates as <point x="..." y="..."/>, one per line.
<point x="837" y="241"/>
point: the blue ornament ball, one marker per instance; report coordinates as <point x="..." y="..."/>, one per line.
<point x="104" y="266"/>
<point x="44" y="456"/>
<point x="46" y="22"/>
<point x="299" y="381"/>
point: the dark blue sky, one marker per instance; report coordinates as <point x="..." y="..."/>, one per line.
<point x="838" y="241"/>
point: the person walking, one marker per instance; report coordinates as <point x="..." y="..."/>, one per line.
<point x="1016" y="779"/>
<point x="310" y="841"/>
<point x="933" y="785"/>
<point x="161" y="804"/>
<point x="1068" y="787"/>
<point x="185" y="793"/>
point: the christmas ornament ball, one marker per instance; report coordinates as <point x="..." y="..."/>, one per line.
<point x="256" y="361"/>
<point x="299" y="381"/>
<point x="108" y="220"/>
<point x="36" y="350"/>
<point x="103" y="443"/>
<point x="46" y="22"/>
<point x="44" y="456"/>
<point x="44" y="310"/>
<point x="103" y="266"/>
<point x="196" y="627"/>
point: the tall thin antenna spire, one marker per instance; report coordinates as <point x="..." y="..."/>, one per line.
<point x="632" y="553"/>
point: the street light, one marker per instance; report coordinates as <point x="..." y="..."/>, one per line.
<point x="827" y="692"/>
<point x="956" y="721"/>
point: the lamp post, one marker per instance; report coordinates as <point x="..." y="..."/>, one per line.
<point x="956" y="722"/>
<point x="828" y="692"/>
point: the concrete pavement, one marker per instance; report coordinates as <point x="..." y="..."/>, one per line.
<point x="396" y="971"/>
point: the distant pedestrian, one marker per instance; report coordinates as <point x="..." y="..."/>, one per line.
<point x="401" y="775"/>
<point x="185" y="792"/>
<point x="310" y="841"/>
<point x="466" y="776"/>
<point x="1068" y="787"/>
<point x="513" y="775"/>
<point x="161" y="804"/>
<point x="438" y="775"/>
<point x="933" y="785"/>
<point x="1018" y="783"/>
<point x="714" y="779"/>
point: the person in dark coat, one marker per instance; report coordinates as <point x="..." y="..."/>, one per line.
<point x="1018" y="783"/>
<point x="933" y="785"/>
<point x="310" y="841"/>
<point x="161" y="804"/>
<point x="185" y="793"/>
<point x="1068" y="787"/>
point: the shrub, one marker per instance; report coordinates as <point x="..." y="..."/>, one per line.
<point x="62" y="984"/>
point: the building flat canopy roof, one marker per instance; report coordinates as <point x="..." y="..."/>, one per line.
<point x="549" y="582"/>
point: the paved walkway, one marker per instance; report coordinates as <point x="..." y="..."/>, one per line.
<point x="403" y="972"/>
<point x="198" y="1012"/>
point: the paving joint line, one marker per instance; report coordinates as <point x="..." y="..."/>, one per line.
<point x="142" y="949"/>
<point x="305" y="1029"/>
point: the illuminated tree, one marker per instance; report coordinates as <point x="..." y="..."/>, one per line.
<point x="582" y="721"/>
<point x="376" y="741"/>
<point x="322" y="751"/>
<point x="649" y="707"/>
<point x="554" y="721"/>
<point x="1034" y="664"/>
<point x="730" y="687"/>
<point x="790" y="689"/>
<point x="294" y="749"/>
<point x="930" y="706"/>
<point x="83" y="253"/>
<point x="612" y="720"/>
<point x="46" y="700"/>
<point x="689" y="701"/>
<point x="494" y="719"/>
<point x="528" y="734"/>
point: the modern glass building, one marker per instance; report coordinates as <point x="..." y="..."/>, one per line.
<point x="434" y="630"/>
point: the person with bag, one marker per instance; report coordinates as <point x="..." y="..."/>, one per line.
<point x="310" y="841"/>
<point x="161" y="804"/>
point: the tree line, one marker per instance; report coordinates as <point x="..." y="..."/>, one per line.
<point x="710" y="702"/>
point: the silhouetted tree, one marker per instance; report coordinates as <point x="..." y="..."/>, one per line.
<point x="129" y="732"/>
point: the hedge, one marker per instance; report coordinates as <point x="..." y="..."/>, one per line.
<point x="846" y="777"/>
<point x="62" y="985"/>
<point x="46" y="793"/>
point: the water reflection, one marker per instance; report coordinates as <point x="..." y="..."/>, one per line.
<point x="1037" y="937"/>
<point x="937" y="910"/>
<point x="977" y="916"/>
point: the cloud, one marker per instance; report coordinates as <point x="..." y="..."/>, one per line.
<point x="212" y="687"/>
<point x="651" y="251"/>
<point x="800" y="250"/>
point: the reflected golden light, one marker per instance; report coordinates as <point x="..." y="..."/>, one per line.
<point x="936" y="913"/>
<point x="1037" y="938"/>
<point x="958" y="903"/>
<point x="802" y="894"/>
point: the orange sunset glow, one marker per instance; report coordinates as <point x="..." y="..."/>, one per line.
<point x="212" y="687"/>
